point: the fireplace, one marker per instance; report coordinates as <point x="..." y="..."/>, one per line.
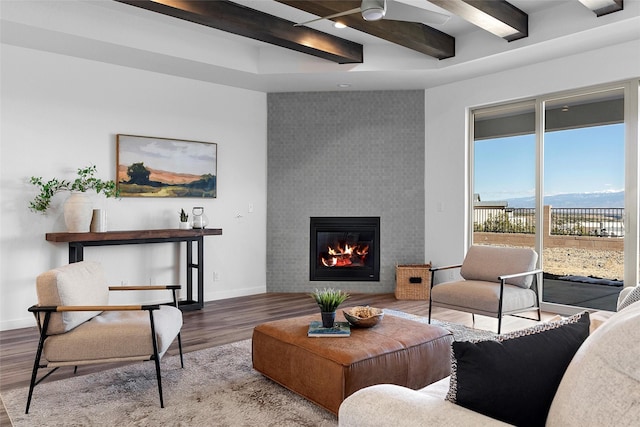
<point x="344" y="249"/>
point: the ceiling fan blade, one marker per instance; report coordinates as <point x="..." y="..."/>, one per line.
<point x="397" y="11"/>
<point x="335" y="15"/>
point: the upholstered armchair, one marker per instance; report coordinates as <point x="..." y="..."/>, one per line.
<point x="78" y="326"/>
<point x="496" y="281"/>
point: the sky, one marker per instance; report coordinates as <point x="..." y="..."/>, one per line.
<point x="584" y="160"/>
<point x="178" y="156"/>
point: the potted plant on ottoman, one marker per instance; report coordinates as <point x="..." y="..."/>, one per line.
<point x="328" y="300"/>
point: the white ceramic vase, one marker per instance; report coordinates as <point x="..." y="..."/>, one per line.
<point x="77" y="213"/>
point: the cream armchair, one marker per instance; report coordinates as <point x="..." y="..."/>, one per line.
<point x="496" y="281"/>
<point x="78" y="326"/>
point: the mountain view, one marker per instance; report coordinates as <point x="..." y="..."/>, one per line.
<point x="574" y="200"/>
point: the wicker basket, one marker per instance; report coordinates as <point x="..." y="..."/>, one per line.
<point x="413" y="282"/>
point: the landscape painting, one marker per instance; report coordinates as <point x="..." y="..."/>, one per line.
<point x="162" y="167"/>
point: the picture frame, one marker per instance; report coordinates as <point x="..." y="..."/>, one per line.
<point x="149" y="166"/>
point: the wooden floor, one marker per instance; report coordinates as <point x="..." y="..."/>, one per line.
<point x="222" y="322"/>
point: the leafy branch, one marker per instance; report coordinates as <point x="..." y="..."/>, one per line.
<point x="84" y="182"/>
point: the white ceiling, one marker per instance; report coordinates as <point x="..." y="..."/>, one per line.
<point x="107" y="31"/>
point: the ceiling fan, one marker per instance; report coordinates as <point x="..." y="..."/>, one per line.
<point x="375" y="10"/>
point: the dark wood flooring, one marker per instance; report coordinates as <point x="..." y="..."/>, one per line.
<point x="222" y="322"/>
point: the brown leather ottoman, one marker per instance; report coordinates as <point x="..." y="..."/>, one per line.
<point x="327" y="370"/>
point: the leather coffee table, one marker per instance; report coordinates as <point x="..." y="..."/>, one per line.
<point x="327" y="370"/>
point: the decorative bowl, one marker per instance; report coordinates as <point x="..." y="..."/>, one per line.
<point x="363" y="317"/>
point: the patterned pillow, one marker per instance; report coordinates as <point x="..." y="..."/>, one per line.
<point x="633" y="296"/>
<point x="514" y="378"/>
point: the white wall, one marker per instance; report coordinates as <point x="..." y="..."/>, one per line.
<point x="60" y="113"/>
<point x="446" y="110"/>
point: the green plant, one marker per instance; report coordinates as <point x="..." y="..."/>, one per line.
<point x="329" y="299"/>
<point x="184" y="217"/>
<point x="84" y="182"/>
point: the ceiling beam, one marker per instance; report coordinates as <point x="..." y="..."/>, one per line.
<point x="603" y="7"/>
<point x="243" y="21"/>
<point x="495" y="16"/>
<point x="415" y="36"/>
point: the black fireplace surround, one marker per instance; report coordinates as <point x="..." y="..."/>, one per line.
<point x="355" y="242"/>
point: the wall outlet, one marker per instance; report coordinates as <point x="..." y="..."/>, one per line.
<point x="450" y="275"/>
<point x="216" y="276"/>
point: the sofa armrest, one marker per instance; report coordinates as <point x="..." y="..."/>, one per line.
<point x="393" y="405"/>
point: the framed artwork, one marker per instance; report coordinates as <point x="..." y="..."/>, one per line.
<point x="163" y="167"/>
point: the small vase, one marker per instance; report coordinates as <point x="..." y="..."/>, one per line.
<point x="77" y="213"/>
<point x="328" y="319"/>
<point x="184" y="225"/>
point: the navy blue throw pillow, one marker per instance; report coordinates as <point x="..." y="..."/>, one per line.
<point x="514" y="378"/>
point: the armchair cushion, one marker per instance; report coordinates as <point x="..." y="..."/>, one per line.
<point x="628" y="296"/>
<point x="81" y="283"/>
<point x="514" y="378"/>
<point x="484" y="297"/>
<point x="487" y="263"/>
<point x="115" y="335"/>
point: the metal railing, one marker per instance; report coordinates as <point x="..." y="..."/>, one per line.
<point x="600" y="222"/>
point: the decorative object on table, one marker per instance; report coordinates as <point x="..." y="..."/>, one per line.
<point x="338" y="330"/>
<point x="413" y="281"/>
<point x="328" y="300"/>
<point x="363" y="317"/>
<point x="184" y="220"/>
<point x="163" y="167"/>
<point x="99" y="221"/>
<point x="200" y="220"/>
<point x="77" y="208"/>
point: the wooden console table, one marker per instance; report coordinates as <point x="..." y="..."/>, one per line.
<point x="78" y="241"/>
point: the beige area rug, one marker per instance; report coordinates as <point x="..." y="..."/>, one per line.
<point x="217" y="387"/>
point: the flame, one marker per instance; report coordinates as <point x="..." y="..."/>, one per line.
<point x="347" y="256"/>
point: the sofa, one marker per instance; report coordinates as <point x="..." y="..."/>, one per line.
<point x="599" y="386"/>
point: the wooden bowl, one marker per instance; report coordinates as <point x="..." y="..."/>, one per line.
<point x="375" y="317"/>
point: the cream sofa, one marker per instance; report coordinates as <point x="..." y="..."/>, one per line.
<point x="601" y="387"/>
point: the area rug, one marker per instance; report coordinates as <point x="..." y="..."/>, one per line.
<point x="460" y="332"/>
<point x="217" y="387"/>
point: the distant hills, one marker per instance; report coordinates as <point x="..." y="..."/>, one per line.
<point x="574" y="200"/>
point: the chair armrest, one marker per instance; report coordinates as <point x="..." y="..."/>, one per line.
<point x="526" y="273"/>
<point x="144" y="288"/>
<point x="63" y="308"/>
<point x="447" y="267"/>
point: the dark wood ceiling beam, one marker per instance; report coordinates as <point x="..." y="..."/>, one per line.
<point x="495" y="16"/>
<point x="243" y="21"/>
<point x="415" y="36"/>
<point x="603" y="7"/>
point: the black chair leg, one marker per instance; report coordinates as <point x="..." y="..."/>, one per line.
<point x="156" y="358"/>
<point x="180" y="347"/>
<point x="36" y="363"/>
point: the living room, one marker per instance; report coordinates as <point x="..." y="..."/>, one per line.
<point x="61" y="111"/>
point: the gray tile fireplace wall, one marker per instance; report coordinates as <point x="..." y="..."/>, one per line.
<point x="344" y="154"/>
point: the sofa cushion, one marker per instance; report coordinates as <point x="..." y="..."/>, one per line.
<point x="80" y="283"/>
<point x="514" y="378"/>
<point x="601" y="386"/>
<point x="486" y="263"/>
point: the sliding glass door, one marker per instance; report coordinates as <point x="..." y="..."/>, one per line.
<point x="584" y="230"/>
<point x="550" y="173"/>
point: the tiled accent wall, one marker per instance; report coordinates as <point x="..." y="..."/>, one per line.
<point x="344" y="154"/>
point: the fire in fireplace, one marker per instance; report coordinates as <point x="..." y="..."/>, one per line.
<point x="345" y="248"/>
